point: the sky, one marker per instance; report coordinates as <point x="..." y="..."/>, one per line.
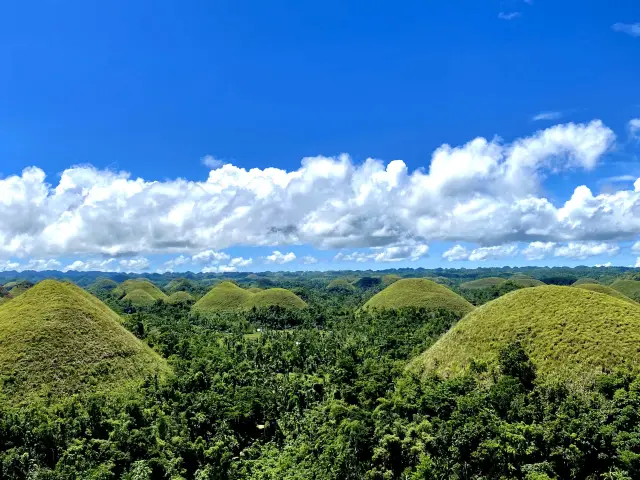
<point x="246" y="136"/>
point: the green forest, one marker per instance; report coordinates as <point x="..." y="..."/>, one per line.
<point x="407" y="374"/>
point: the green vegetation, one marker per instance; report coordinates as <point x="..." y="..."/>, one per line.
<point x="180" y="297"/>
<point x="587" y="280"/>
<point x="567" y="332"/>
<point x="102" y="286"/>
<point x="596" y="287"/>
<point x="525" y="281"/>
<point x="139" y="298"/>
<point x="227" y="296"/>
<point x="56" y="339"/>
<point x="389" y="279"/>
<point x="341" y="285"/>
<point x="18" y="288"/>
<point x="630" y="288"/>
<point x="254" y="289"/>
<point x="181" y="285"/>
<point x="139" y="292"/>
<point x="482" y="283"/>
<point x="366" y="283"/>
<point x="419" y="293"/>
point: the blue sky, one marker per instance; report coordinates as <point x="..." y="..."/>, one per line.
<point x="152" y="88"/>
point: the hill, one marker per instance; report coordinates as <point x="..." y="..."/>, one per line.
<point x="596" y="287"/>
<point x="254" y="289"/>
<point x="126" y="289"/>
<point x="56" y="338"/>
<point x="419" y="292"/>
<point x="630" y="288"/>
<point x="181" y="285"/>
<point x="584" y="280"/>
<point x="227" y="296"/>
<point x="341" y="285"/>
<point x="568" y="332"/>
<point x="525" y="281"/>
<point x="367" y="282"/>
<point x="180" y="297"/>
<point x="482" y="283"/>
<point x="18" y="288"/>
<point x="102" y="286"/>
<point x="391" y="278"/>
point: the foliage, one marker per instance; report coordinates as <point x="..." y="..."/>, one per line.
<point x="482" y="283"/>
<point x="142" y="285"/>
<point x="227" y="296"/>
<point x="180" y="296"/>
<point x="585" y="280"/>
<point x="525" y="281"/>
<point x="341" y="285"/>
<point x="568" y="332"/>
<point x="139" y="297"/>
<point x="630" y="288"/>
<point x="419" y="292"/>
<point x="18" y="288"/>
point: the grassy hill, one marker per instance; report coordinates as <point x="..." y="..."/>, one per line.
<point x="134" y="291"/>
<point x="254" y="289"/>
<point x="630" y="288"/>
<point x="227" y="296"/>
<point x="18" y="288"/>
<point x="56" y="338"/>
<point x="180" y="297"/>
<point x="568" y="332"/>
<point x="391" y="278"/>
<point x="482" y="283"/>
<point x="180" y="285"/>
<point x="341" y="285"/>
<point x="584" y="280"/>
<point x="419" y="292"/>
<point x="596" y="287"/>
<point x="102" y="286"/>
<point x="525" y="281"/>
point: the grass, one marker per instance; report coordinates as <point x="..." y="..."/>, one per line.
<point x="18" y="288"/>
<point x="482" y="283"/>
<point x="128" y="286"/>
<point x="389" y="279"/>
<point x="525" y="281"/>
<point x="56" y="339"/>
<point x="584" y="280"/>
<point x="180" y="285"/>
<point x="227" y="296"/>
<point x="180" y="297"/>
<point x="568" y="332"/>
<point x="254" y="289"/>
<point x="596" y="287"/>
<point x="630" y="288"/>
<point x="419" y="292"/>
<point x="102" y="285"/>
<point x="341" y="285"/>
<point x="139" y="298"/>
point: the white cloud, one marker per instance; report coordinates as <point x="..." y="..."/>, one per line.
<point x="138" y="264"/>
<point x="634" y="128"/>
<point x="485" y="191"/>
<point x="210" y="256"/>
<point x="547" y="116"/>
<point x="279" y="258"/>
<point x="632" y="29"/>
<point x="309" y="260"/>
<point x="240" y="262"/>
<point x="396" y="253"/>
<point x="509" y="16"/>
<point x="608" y="264"/>
<point x="93" y="265"/>
<point x="635" y="248"/>
<point x="457" y="252"/>
<point x="584" y="250"/>
<point x="637" y="265"/>
<point x="8" y="265"/>
<point x="538" y="250"/>
<point x="212" y="162"/>
<point x="40" y="265"/>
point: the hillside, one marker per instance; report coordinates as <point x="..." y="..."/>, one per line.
<point x="525" y="281"/>
<point x="482" y="283"/>
<point x="102" y="286"/>
<point x="139" y="291"/>
<point x="18" y="288"/>
<point x="568" y="332"/>
<point x="180" y="297"/>
<point x="630" y="288"/>
<point x="584" y="280"/>
<point x="341" y="285"/>
<point x="227" y="296"/>
<point x="596" y="287"/>
<point x="56" y="338"/>
<point x="419" y="292"/>
<point x="180" y="285"/>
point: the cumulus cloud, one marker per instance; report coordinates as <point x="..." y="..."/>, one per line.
<point x="240" y="262"/>
<point x="547" y="116"/>
<point x="606" y="265"/>
<point x="309" y="260"/>
<point x="458" y="252"/>
<point x="211" y="161"/>
<point x="386" y="254"/>
<point x="455" y="253"/>
<point x="280" y="258"/>
<point x="634" y="128"/>
<point x="509" y="15"/>
<point x="7" y="266"/>
<point x="585" y="250"/>
<point x="485" y="191"/>
<point x="632" y="29"/>
<point x="138" y="264"/>
<point x="635" y="248"/>
<point x="538" y="250"/>
<point x="40" y="265"/>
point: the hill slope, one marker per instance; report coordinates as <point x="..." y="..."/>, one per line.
<point x="525" y="281"/>
<point x="584" y="280"/>
<point x="568" y="332"/>
<point x="482" y="283"/>
<point x="596" y="287"/>
<point x="56" y="338"/>
<point x="631" y="288"/>
<point x="419" y="292"/>
<point x="140" y="292"/>
<point x="227" y="296"/>
<point x="180" y="297"/>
